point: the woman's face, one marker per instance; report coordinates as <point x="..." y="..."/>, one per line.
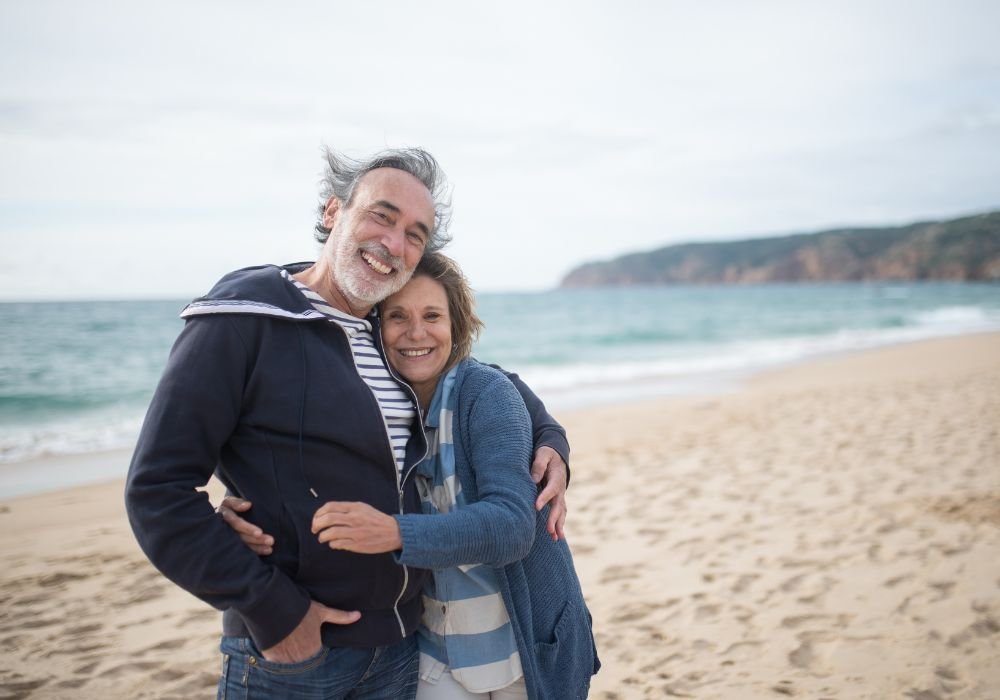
<point x="416" y="332"/>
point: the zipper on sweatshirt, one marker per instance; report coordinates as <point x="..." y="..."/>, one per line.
<point x="402" y="477"/>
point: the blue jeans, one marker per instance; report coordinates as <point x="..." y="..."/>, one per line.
<point x="383" y="673"/>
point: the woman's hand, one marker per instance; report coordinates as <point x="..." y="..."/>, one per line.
<point x="356" y="527"/>
<point x="253" y="537"/>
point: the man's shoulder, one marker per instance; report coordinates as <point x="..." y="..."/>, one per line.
<point x="261" y="289"/>
<point x="252" y="280"/>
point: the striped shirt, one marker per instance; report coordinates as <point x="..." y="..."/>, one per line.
<point x="465" y="627"/>
<point x="397" y="409"/>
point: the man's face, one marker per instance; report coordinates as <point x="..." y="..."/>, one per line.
<point x="376" y="242"/>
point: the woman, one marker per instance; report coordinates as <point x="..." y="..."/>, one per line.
<point x="504" y="616"/>
<point x="483" y="634"/>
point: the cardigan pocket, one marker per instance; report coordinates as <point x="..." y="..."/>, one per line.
<point x="568" y="659"/>
<point x="547" y="652"/>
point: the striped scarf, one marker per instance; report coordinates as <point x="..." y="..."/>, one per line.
<point x="465" y="626"/>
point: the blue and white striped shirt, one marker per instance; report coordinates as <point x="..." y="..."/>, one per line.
<point x="465" y="626"/>
<point x="397" y="409"/>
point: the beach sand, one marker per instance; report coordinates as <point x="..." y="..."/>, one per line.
<point x="830" y="530"/>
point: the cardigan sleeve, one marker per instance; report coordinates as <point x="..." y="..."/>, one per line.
<point x="492" y="435"/>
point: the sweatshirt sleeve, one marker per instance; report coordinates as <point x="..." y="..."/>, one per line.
<point x="494" y="431"/>
<point x="194" y="410"/>
<point x="545" y="430"/>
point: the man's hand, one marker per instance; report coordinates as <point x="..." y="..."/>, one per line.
<point x="305" y="641"/>
<point x="356" y="527"/>
<point x="549" y="471"/>
<point x="253" y="537"/>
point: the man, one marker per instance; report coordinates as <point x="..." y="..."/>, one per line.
<point x="277" y="384"/>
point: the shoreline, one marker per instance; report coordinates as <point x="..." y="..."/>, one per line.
<point x="830" y="529"/>
<point x="28" y="477"/>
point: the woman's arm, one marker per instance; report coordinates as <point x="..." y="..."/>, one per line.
<point x="492" y="429"/>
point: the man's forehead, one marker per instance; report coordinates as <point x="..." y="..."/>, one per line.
<point x="376" y="183"/>
<point x="404" y="193"/>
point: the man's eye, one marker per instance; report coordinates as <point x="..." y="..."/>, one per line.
<point x="381" y="216"/>
<point x="416" y="238"/>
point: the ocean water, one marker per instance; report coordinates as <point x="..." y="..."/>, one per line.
<point x="76" y="377"/>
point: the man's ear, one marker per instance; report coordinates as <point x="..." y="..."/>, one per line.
<point x="330" y="212"/>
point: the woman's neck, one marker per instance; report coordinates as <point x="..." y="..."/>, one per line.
<point x="425" y="394"/>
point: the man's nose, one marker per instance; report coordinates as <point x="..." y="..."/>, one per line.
<point x="395" y="242"/>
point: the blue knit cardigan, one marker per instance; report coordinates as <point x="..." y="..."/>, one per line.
<point x="500" y="527"/>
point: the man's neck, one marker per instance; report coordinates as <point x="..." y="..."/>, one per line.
<point x="319" y="278"/>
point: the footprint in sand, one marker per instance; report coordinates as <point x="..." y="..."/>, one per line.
<point x="136" y="595"/>
<point x="949" y="679"/>
<point x="796" y="621"/>
<point x="617" y="572"/>
<point x="34" y="622"/>
<point x="59" y="578"/>
<point x="915" y="694"/>
<point x="784" y="688"/>
<point x="198" y="617"/>
<point x="744" y="582"/>
<point x="634" y="611"/>
<point x="82" y="630"/>
<point x="703" y="612"/>
<point x="812" y="653"/>
<point x="18" y="689"/>
<point x="168" y="674"/>
<point x="75" y="649"/>
<point x="742" y="651"/>
<point x="896" y="580"/>
<point x="983" y="627"/>
<point x="201" y="685"/>
<point x="124" y="669"/>
<point x="167" y="645"/>
<point x="943" y="589"/>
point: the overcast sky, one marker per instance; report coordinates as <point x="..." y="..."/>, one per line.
<point x="148" y="148"/>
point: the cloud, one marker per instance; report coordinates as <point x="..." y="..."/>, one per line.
<point x="570" y="131"/>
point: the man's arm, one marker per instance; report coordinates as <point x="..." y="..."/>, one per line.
<point x="194" y="410"/>
<point x="550" y="465"/>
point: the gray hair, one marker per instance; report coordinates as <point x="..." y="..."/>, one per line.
<point x="342" y="174"/>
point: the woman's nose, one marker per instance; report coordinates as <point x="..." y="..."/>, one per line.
<point x="416" y="330"/>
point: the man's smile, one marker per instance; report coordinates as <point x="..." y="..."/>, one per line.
<point x="375" y="263"/>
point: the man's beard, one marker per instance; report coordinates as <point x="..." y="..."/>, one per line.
<point x="356" y="280"/>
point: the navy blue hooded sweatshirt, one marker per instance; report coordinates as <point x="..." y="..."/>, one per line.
<point x="262" y="390"/>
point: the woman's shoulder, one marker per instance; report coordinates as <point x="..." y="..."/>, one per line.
<point x="476" y="380"/>
<point x="473" y="375"/>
